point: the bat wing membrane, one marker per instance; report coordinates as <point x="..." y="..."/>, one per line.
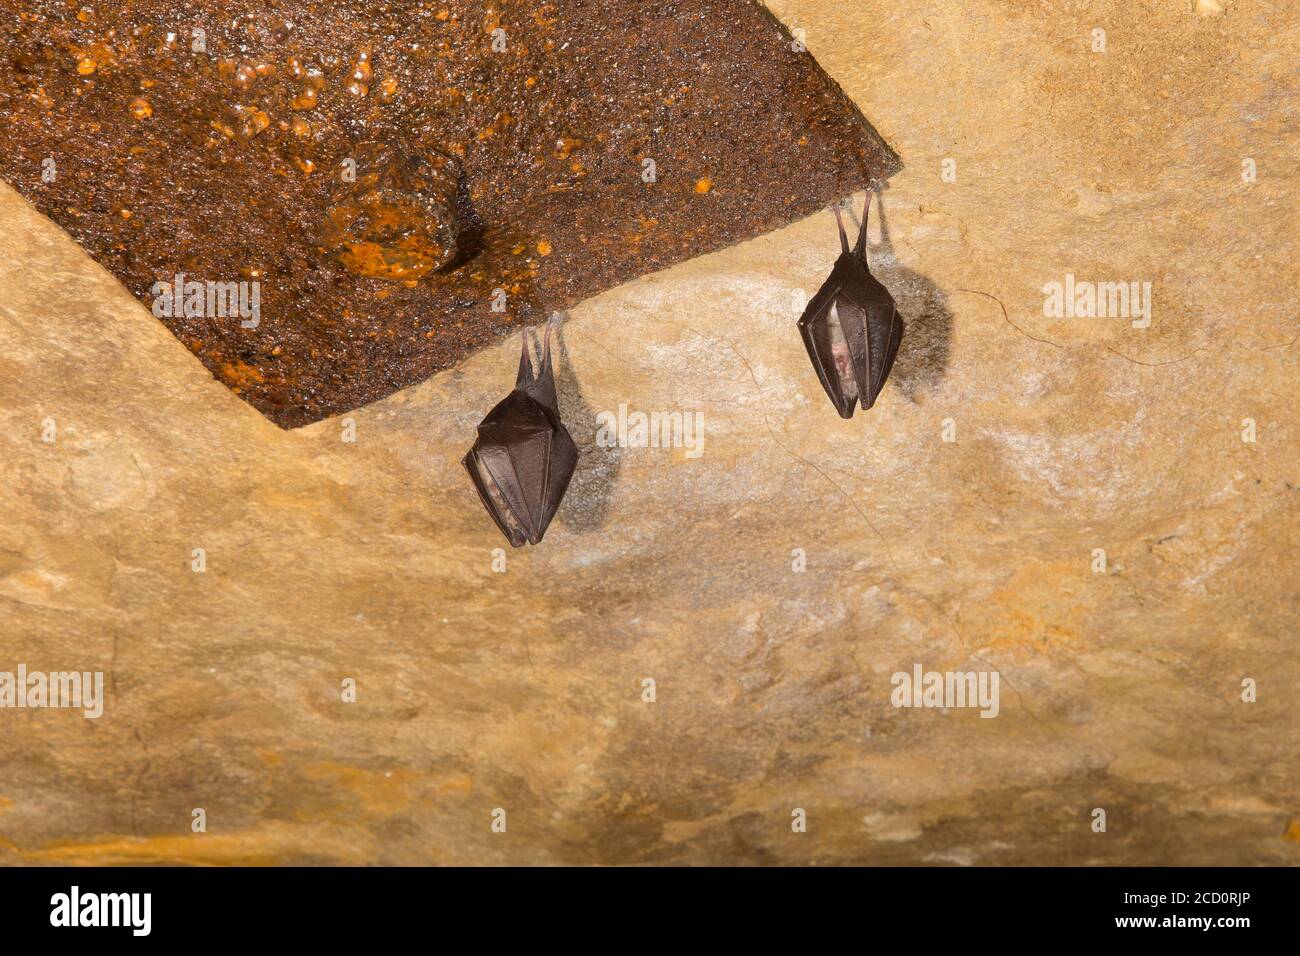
<point x="818" y="337"/>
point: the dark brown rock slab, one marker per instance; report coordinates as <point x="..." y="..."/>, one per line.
<point x="406" y="181"/>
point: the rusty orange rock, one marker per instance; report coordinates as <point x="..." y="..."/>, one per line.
<point x="399" y="220"/>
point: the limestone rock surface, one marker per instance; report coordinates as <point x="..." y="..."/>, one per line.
<point x="957" y="525"/>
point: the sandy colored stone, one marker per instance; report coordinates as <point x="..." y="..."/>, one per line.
<point x="372" y="560"/>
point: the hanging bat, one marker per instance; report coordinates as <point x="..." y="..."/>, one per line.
<point x="523" y="459"/>
<point x="852" y="328"/>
